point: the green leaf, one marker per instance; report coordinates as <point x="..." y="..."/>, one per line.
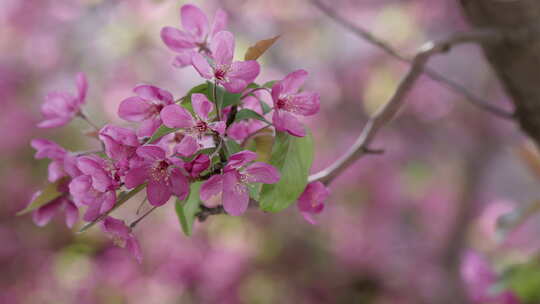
<point x="225" y="98"/>
<point x="524" y="280"/>
<point x="269" y="84"/>
<point x="187" y="209"/>
<point x="249" y="114"/>
<point x="253" y="85"/>
<point x="265" y="107"/>
<point x="202" y="89"/>
<point x="232" y="146"/>
<point x="121" y="199"/>
<point x="49" y="193"/>
<point x="292" y="156"/>
<point x="160" y="132"/>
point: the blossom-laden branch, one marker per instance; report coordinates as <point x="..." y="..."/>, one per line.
<point x="454" y="86"/>
<point x="388" y="111"/>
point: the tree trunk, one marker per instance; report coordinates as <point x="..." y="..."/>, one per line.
<point x="516" y="61"/>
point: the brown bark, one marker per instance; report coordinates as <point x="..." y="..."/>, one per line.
<point x="515" y="61"/>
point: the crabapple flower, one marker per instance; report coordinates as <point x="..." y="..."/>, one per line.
<point x="234" y="76"/>
<point x="43" y="215"/>
<point x="145" y="108"/>
<point x="60" y="107"/>
<point x="162" y="174"/>
<point x="195" y="127"/>
<point x="120" y="143"/>
<point x="122" y="236"/>
<point x="288" y="101"/>
<point x="63" y="163"/>
<point x="197" y="165"/>
<point x="231" y="186"/>
<point x="242" y="129"/>
<point x="196" y="34"/>
<point x="311" y="201"/>
<point x="96" y="187"/>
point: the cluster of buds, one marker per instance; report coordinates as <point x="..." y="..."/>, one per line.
<point x="199" y="148"/>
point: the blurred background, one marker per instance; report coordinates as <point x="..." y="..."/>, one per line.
<point x="449" y="169"/>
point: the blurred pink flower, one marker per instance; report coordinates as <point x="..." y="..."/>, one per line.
<point x="196" y="35"/>
<point x="122" y="236"/>
<point x="60" y="107"/>
<point x="234" y="76"/>
<point x="43" y="215"/>
<point x="63" y="163"/>
<point x="312" y="200"/>
<point x="145" y="108"/>
<point x="288" y="101"/>
<point x="164" y="179"/>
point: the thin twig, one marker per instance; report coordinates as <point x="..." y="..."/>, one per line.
<point x="135" y="222"/>
<point x="85" y="118"/>
<point x="388" y="111"/>
<point x="456" y="87"/>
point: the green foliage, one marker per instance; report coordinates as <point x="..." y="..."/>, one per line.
<point x="524" y="280"/>
<point x="186" y="210"/>
<point x="269" y="84"/>
<point x="232" y="146"/>
<point x="160" y="132"/>
<point x="48" y="194"/>
<point x="292" y="156"/>
<point x="245" y="114"/>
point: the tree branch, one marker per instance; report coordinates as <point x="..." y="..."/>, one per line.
<point x="387" y="112"/>
<point x="454" y="86"/>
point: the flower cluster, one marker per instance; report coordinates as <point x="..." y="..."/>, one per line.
<point x="198" y="145"/>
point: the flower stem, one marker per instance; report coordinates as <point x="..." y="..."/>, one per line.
<point x="135" y="222"/>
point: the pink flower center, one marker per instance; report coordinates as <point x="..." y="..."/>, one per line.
<point x="156" y="109"/>
<point x="201" y="127"/>
<point x="159" y="171"/>
<point x="220" y="73"/>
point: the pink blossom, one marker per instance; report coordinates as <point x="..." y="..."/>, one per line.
<point x="145" y="108"/>
<point x="120" y="143"/>
<point x="312" y="200"/>
<point x="197" y="165"/>
<point x="63" y="163"/>
<point x="196" y="35"/>
<point x="231" y="186"/>
<point x="287" y="101"/>
<point x="242" y="129"/>
<point x="194" y="127"/>
<point x="234" y="76"/>
<point x="60" y="107"/>
<point x="122" y="236"/>
<point x="96" y="187"/>
<point x="162" y="174"/>
<point x="43" y="215"/>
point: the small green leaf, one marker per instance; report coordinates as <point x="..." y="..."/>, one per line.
<point x="121" y="199"/>
<point x="269" y="84"/>
<point x="49" y="193"/>
<point x="253" y="85"/>
<point x="249" y="114"/>
<point x="187" y="209"/>
<point x="524" y="281"/>
<point x="160" y="132"/>
<point x="292" y="156"/>
<point x="225" y="98"/>
<point x="265" y="107"/>
<point x="232" y="146"/>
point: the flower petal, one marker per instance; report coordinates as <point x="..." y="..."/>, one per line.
<point x="220" y="22"/>
<point x="151" y="152"/>
<point x="179" y="184"/>
<point x="135" y="177"/>
<point x="198" y="165"/>
<point x="312" y="200"/>
<point x="201" y="105"/>
<point x="187" y="146"/>
<point x="241" y="158"/>
<point x="177" y="40"/>
<point x="72" y="213"/>
<point x="262" y="173"/>
<point x="150" y="92"/>
<point x="108" y="200"/>
<point x="132" y="245"/>
<point x="158" y="192"/>
<point x="55" y="171"/>
<point x="222" y="47"/>
<point x="135" y="109"/>
<point x="235" y="194"/>
<point x="149" y="126"/>
<point x="234" y="85"/>
<point x="82" y="87"/>
<point x="212" y="187"/>
<point x="286" y="122"/>
<point x="218" y="126"/>
<point x="47" y="149"/>
<point x="293" y="81"/>
<point x="306" y="103"/>
<point x="245" y="70"/>
<point x="194" y="21"/>
<point x="183" y="59"/>
<point x="43" y="215"/>
<point x="175" y="116"/>
<point x="201" y="65"/>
